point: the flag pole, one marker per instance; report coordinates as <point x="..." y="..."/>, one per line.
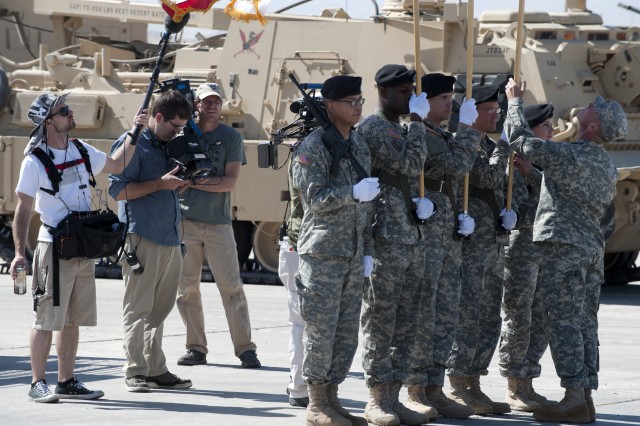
<point x="468" y="92"/>
<point x="516" y="77"/>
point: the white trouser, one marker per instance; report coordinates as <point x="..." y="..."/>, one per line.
<point x="287" y="267"/>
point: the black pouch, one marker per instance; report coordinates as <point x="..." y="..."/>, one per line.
<point x="91" y="235"/>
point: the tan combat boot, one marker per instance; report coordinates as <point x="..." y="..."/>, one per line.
<point x="378" y="410"/>
<point x="517" y="397"/>
<point x="446" y="407"/>
<point x="334" y="402"/>
<point x="461" y="394"/>
<point x="496" y="407"/>
<point x="417" y="401"/>
<point x="592" y="408"/>
<point x="572" y="409"/>
<point x="319" y="413"/>
<point x="534" y="396"/>
<point x="406" y="415"/>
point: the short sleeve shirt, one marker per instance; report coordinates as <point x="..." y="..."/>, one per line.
<point x="74" y="193"/>
<point x="222" y="145"/>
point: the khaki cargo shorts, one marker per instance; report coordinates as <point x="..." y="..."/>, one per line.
<point x="77" y="291"/>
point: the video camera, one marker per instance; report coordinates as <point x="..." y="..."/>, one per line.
<point x="185" y="150"/>
<point x="303" y="124"/>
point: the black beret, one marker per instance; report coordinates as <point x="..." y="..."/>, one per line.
<point x="484" y="93"/>
<point x="341" y="86"/>
<point x="394" y="75"/>
<point x="435" y="84"/>
<point x="536" y="114"/>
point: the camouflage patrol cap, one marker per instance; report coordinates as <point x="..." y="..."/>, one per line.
<point x="41" y="109"/>
<point x="613" y="120"/>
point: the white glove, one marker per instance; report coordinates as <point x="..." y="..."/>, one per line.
<point x="466" y="224"/>
<point x="509" y="219"/>
<point x="424" y="207"/>
<point x="366" y="189"/>
<point x="468" y="112"/>
<point x="419" y="105"/>
<point x="368" y="266"/>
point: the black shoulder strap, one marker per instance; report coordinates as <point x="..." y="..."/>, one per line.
<point x="52" y="172"/>
<point x="87" y="161"/>
<point x="54" y="175"/>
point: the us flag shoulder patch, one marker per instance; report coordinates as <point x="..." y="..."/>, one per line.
<point x="303" y="159"/>
<point x="394" y="134"/>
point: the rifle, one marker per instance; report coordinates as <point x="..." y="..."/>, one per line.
<point x="332" y="139"/>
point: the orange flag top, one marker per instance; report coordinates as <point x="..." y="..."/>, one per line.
<point x="247" y="10"/>
<point x="177" y="9"/>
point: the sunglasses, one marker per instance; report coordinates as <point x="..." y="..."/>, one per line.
<point x="64" y="111"/>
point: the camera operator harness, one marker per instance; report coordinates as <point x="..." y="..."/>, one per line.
<point x="89" y="235"/>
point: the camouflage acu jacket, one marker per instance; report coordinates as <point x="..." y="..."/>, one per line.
<point x="396" y="151"/>
<point x="333" y="222"/>
<point x="579" y="179"/>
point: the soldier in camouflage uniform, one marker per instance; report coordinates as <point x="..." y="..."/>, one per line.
<point x="388" y="312"/>
<point x="449" y="158"/>
<point x="334" y="237"/>
<point x="579" y="180"/>
<point x="479" y="322"/>
<point x="523" y="339"/>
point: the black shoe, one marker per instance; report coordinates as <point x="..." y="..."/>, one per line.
<point x="250" y="359"/>
<point x="193" y="357"/>
<point x="299" y="402"/>
<point x="77" y="390"/>
<point x="168" y="380"/>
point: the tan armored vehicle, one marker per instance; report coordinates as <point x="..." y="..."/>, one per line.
<point x="93" y="49"/>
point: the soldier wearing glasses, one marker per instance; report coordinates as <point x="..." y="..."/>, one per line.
<point x="479" y="321"/>
<point x="334" y="237"/>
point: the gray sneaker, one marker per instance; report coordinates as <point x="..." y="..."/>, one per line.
<point x="137" y="384"/>
<point x="77" y="390"/>
<point x="40" y="392"/>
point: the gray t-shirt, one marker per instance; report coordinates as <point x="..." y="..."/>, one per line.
<point x="222" y="145"/>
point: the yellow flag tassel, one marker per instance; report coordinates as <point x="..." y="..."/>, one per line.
<point x="247" y="10"/>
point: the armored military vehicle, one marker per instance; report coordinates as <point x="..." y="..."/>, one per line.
<point x="96" y="50"/>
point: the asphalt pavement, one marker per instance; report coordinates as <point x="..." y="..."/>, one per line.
<point x="226" y="394"/>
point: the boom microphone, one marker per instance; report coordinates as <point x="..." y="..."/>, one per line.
<point x="175" y="27"/>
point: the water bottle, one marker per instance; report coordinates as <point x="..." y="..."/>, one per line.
<point x="20" y="283"/>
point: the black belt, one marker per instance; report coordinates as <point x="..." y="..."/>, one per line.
<point x="435" y="185"/>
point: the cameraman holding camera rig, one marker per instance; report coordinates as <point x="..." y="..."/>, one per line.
<point x="206" y="212"/>
<point x="64" y="299"/>
<point x="147" y="196"/>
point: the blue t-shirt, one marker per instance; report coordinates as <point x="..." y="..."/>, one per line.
<point x="156" y="216"/>
<point x="222" y="145"/>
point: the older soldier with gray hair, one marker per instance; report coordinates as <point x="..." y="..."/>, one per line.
<point x="579" y="180"/>
<point x="334" y="237"/>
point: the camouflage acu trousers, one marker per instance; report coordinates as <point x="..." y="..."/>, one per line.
<point x="439" y="303"/>
<point x="569" y="281"/>
<point x="330" y="290"/>
<point x="523" y="339"/>
<point x="479" y="323"/>
<point x="390" y="311"/>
